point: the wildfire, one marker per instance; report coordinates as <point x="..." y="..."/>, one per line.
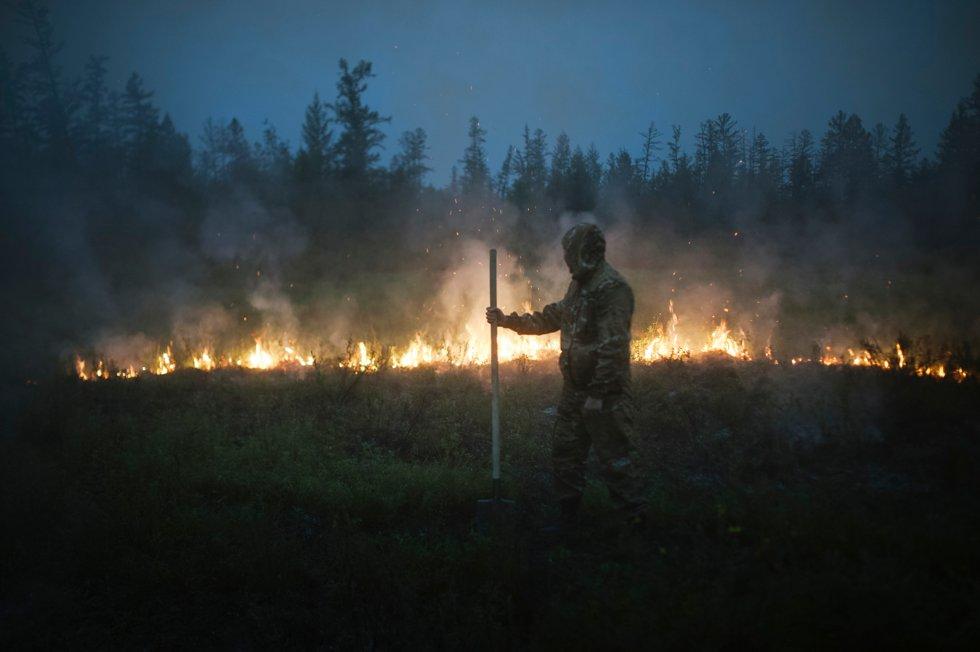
<point x="204" y="361"/>
<point x="663" y="341"/>
<point x="668" y="339"/>
<point x="258" y="358"/>
<point x="361" y="360"/>
<point x="84" y="373"/>
<point x="164" y="363"/>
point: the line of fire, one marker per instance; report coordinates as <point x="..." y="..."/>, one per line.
<point x="654" y="344"/>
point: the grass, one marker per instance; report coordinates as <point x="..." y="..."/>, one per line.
<point x="800" y="507"/>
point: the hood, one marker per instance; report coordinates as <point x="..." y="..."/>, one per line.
<point x="585" y="250"/>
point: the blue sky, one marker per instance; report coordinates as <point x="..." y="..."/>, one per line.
<point x="600" y="71"/>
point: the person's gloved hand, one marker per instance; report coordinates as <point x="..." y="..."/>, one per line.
<point x="495" y="316"/>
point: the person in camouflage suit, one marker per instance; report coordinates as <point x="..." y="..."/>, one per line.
<point x="596" y="405"/>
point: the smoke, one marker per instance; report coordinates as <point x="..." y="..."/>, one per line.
<point x="243" y="271"/>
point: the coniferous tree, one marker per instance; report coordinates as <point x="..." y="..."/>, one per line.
<point x="901" y="155"/>
<point x="704" y="150"/>
<point x="454" y="182"/>
<point x="561" y="161"/>
<point x="361" y="134"/>
<point x="238" y="153"/>
<point x="315" y="159"/>
<point x="272" y="153"/>
<point x="685" y="181"/>
<point x="50" y="105"/>
<point x="274" y="165"/>
<point x="123" y="124"/>
<point x="226" y="155"/>
<point x="535" y="161"/>
<point x="621" y="176"/>
<point x="172" y="159"/>
<point x="801" y="167"/>
<point x="476" y="174"/>
<point x="729" y="144"/>
<point x="94" y="127"/>
<point x="531" y="168"/>
<point x="959" y="143"/>
<point x="651" y="144"/>
<point x="594" y="167"/>
<point x="408" y="166"/>
<point x="116" y="121"/>
<point x="502" y="185"/>
<point x="674" y="148"/>
<point x="140" y="125"/>
<point x="959" y="160"/>
<point x="764" y="169"/>
<point x="879" y="144"/>
<point x="210" y="156"/>
<point x="717" y="155"/>
<point x="581" y="188"/>
<point x="846" y="158"/>
<point x="17" y="133"/>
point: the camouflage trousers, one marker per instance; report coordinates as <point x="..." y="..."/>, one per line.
<point x="610" y="431"/>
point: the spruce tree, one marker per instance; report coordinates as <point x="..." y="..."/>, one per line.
<point x="801" y="168"/>
<point x="315" y="159"/>
<point x="408" y="166"/>
<point x="50" y="105"/>
<point x="902" y="153"/>
<point x="476" y="174"/>
<point x="502" y="185"/>
<point x="361" y="135"/>
<point x="581" y="191"/>
<point x="140" y="124"/>
<point x="93" y="129"/>
<point x="561" y="161"/>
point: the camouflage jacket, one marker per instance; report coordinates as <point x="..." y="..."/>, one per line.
<point x="594" y="318"/>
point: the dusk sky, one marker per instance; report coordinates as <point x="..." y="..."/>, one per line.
<point x="600" y="71"/>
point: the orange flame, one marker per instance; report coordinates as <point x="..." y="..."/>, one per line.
<point x="470" y="346"/>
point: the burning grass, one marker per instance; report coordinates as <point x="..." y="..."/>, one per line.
<point x="794" y="506"/>
<point x="663" y="340"/>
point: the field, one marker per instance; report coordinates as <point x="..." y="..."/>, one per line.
<point x="800" y="507"/>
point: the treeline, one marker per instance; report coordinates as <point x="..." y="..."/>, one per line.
<point x="118" y="140"/>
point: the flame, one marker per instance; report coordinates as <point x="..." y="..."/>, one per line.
<point x="937" y="370"/>
<point x="80" y="370"/>
<point x="470" y="345"/>
<point x="664" y="342"/>
<point x="416" y="354"/>
<point x="204" y="361"/>
<point x="361" y="360"/>
<point x="164" y="363"/>
<point x="291" y="356"/>
<point x="721" y="339"/>
<point x="258" y="358"/>
<point x="128" y="372"/>
<point x="461" y="351"/>
<point x="859" y="359"/>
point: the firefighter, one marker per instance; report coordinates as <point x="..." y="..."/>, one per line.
<point x="596" y="405"/>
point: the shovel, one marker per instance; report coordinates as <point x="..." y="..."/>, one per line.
<point x="491" y="512"/>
